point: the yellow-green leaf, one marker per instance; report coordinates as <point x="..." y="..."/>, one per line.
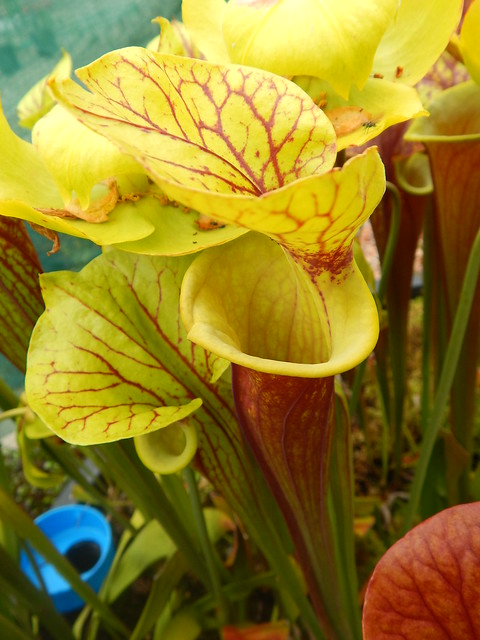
<point x="125" y="224"/>
<point x="251" y="304"/>
<point x="414" y="175"/>
<point x="317" y="214"/>
<point x="28" y="191"/>
<point x="174" y="231"/>
<point x="469" y="40"/>
<point x="168" y="450"/>
<point x="110" y="359"/>
<point x="83" y="162"/>
<point x="331" y="40"/>
<point x="174" y="38"/>
<point x="204" y="22"/>
<point x="23" y="174"/>
<point x="368" y="111"/>
<point x="226" y="129"/>
<point x="415" y="39"/>
<point x="454" y="116"/>
<point x="182" y="625"/>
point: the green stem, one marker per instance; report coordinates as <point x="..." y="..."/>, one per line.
<point x="13" y="632"/>
<point x="428" y="232"/>
<point x="271" y="540"/>
<point x="384" y="401"/>
<point x="382" y="285"/>
<point x="13" y="413"/>
<point x="8" y="399"/>
<point x="206" y="545"/>
<point x="342" y="495"/>
<point x="392" y="240"/>
<point x="357" y="387"/>
<point x="8" y="539"/>
<point x="396" y="341"/>
<point x="446" y="378"/>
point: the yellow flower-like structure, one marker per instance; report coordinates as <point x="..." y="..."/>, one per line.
<point x="251" y="150"/>
<point x="72" y="180"/>
<point x="237" y="165"/>
<point x="359" y="60"/>
<point x="285" y="302"/>
<point x="216" y="157"/>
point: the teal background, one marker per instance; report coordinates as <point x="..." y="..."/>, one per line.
<point x="34" y="32"/>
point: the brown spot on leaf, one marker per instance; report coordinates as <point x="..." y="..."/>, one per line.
<point x="205" y="223"/>
<point x="97" y="211"/>
<point x="345" y="120"/>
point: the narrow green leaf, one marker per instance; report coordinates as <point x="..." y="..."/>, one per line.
<point x="449" y="367"/>
<point x="342" y="492"/>
<point x="11" y="631"/>
<point x="143" y="488"/>
<point x="8" y="540"/>
<point x="14" y="582"/>
<point x="183" y="625"/>
<point x="150" y="544"/>
<point x="165" y="582"/>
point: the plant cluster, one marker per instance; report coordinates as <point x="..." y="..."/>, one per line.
<point x="215" y="361"/>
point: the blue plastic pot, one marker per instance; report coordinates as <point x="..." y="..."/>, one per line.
<point x="84" y="536"/>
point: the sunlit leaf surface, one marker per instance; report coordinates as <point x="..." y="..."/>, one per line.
<point x="225" y="129"/>
<point x="415" y="39"/>
<point x="109" y="358"/>
<point x="335" y="41"/>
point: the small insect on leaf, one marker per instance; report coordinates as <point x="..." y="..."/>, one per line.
<point x="345" y="120"/>
<point x="205" y="223"/>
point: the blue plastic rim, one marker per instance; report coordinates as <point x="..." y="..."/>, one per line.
<point x="84" y="536"/>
